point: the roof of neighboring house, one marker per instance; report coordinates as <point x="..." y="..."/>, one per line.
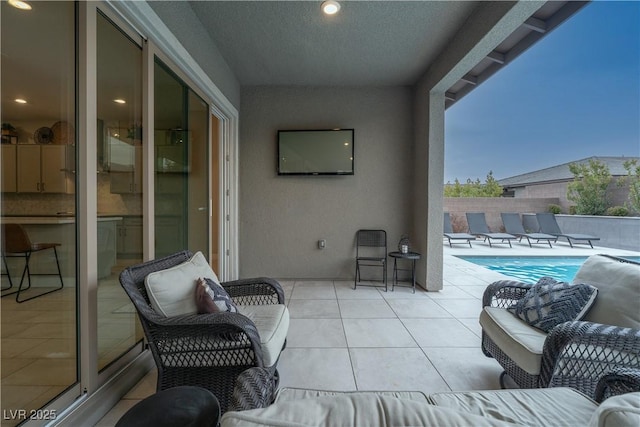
<point x="562" y="172"/>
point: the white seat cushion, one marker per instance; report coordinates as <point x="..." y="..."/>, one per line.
<point x="535" y="407"/>
<point x="289" y="393"/>
<point x="355" y="409"/>
<point x="272" y="322"/>
<point x="521" y="342"/>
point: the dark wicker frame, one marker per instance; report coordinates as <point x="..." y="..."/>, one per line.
<point x="206" y="350"/>
<point x="575" y="354"/>
<point x="618" y="382"/>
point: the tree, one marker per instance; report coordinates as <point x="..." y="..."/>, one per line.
<point x="589" y="187"/>
<point x="490" y="188"/>
<point x="633" y="179"/>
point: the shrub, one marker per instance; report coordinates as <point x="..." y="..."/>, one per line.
<point x="458" y="224"/>
<point x="633" y="180"/>
<point x="572" y="210"/>
<point x="589" y="187"/>
<point x="490" y="188"/>
<point x="617" y="211"/>
<point x="554" y="209"/>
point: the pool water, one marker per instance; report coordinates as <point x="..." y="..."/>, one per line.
<point x="531" y="269"/>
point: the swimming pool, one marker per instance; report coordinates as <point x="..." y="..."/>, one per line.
<point x="531" y="269"/>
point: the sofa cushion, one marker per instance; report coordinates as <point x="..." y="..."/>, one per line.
<point x="290" y="393"/>
<point x="618" y="411"/>
<point x="355" y="409"/>
<point x="618" y="286"/>
<point x="272" y="323"/>
<point x="521" y="342"/>
<point x="534" y="407"/>
<point x="172" y="291"/>
<point x="549" y="303"/>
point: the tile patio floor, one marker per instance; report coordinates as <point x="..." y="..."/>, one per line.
<point x="368" y="339"/>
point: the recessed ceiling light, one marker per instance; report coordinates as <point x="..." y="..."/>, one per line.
<point x="330" y="7"/>
<point x="18" y="4"/>
<point x="20" y="101"/>
<point x="119" y="101"/>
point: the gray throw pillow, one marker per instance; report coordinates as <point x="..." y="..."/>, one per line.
<point x="549" y="303"/>
<point x="211" y="297"/>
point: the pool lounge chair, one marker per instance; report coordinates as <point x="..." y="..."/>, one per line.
<point x="478" y="227"/>
<point x="549" y="225"/>
<point x="513" y="225"/>
<point x="451" y="236"/>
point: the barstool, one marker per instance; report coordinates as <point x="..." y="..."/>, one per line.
<point x="16" y="244"/>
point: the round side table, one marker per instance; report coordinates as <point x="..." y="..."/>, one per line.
<point x="411" y="256"/>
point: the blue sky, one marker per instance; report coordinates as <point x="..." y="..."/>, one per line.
<point x="574" y="94"/>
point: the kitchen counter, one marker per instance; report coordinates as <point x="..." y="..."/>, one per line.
<point x="51" y="219"/>
<point x="61" y="229"/>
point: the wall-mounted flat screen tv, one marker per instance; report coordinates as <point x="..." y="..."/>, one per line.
<point x="315" y="152"/>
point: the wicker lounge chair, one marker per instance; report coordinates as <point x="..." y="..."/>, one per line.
<point x="205" y="350"/>
<point x="549" y="225"/>
<point x="575" y="353"/>
<point x="513" y="225"/>
<point x="478" y="227"/>
<point x="451" y="236"/>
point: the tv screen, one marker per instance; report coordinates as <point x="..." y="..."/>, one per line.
<point x="315" y="152"/>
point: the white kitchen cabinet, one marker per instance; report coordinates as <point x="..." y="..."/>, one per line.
<point x="9" y="168"/>
<point x="43" y="169"/>
<point x="128" y="178"/>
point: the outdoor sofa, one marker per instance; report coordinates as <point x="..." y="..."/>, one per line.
<point x="573" y="353"/>
<point x="256" y="402"/>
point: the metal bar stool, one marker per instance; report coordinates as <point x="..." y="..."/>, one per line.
<point x="16" y="244"/>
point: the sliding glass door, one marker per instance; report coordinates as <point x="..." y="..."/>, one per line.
<point x="119" y="184"/>
<point x="181" y="166"/>
<point x="38" y="181"/>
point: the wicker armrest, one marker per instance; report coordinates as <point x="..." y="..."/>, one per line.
<point x="255" y="388"/>
<point x="619" y="381"/>
<point x="504" y="293"/>
<point x="195" y="333"/>
<point x="255" y="291"/>
<point x="578" y="354"/>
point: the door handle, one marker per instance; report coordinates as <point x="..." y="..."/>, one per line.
<point x="202" y="209"/>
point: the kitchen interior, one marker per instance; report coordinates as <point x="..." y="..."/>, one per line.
<point x="40" y="185"/>
<point x="39" y="155"/>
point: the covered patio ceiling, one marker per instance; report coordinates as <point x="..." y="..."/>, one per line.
<point x="368" y="43"/>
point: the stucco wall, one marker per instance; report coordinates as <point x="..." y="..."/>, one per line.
<point x="187" y="28"/>
<point x="282" y="217"/>
<point x="492" y="207"/>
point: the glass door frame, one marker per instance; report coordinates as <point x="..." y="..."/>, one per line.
<point x="97" y="392"/>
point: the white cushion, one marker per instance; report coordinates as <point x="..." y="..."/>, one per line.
<point x="355" y="409"/>
<point x="291" y="393"/>
<point x="272" y="323"/>
<point x="618" y="411"/>
<point x="172" y="291"/>
<point x="521" y="342"/>
<point x="618" y="286"/>
<point x="538" y="407"/>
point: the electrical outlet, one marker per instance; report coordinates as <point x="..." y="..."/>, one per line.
<point x="322" y="243"/>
